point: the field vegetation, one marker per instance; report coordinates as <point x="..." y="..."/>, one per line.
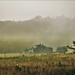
<point x="38" y="64"/>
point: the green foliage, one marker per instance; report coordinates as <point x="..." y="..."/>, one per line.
<point x="62" y="49"/>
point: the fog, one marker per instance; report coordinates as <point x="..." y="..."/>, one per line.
<point x="50" y="31"/>
<point x="54" y="26"/>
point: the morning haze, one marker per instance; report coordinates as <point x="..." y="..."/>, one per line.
<point x="28" y="23"/>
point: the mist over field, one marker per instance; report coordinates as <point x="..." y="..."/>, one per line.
<point x="37" y="37"/>
<point x="53" y="32"/>
<point x="24" y="24"/>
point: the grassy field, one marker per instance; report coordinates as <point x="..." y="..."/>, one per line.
<point x="37" y="64"/>
<point x="9" y="55"/>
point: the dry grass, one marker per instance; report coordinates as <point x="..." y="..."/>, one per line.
<point x="42" y="64"/>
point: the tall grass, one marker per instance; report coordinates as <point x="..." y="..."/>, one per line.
<point x="43" y="64"/>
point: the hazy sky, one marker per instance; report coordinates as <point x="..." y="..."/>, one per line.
<point x="23" y="10"/>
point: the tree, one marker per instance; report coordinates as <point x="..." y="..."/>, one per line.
<point x="62" y="49"/>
